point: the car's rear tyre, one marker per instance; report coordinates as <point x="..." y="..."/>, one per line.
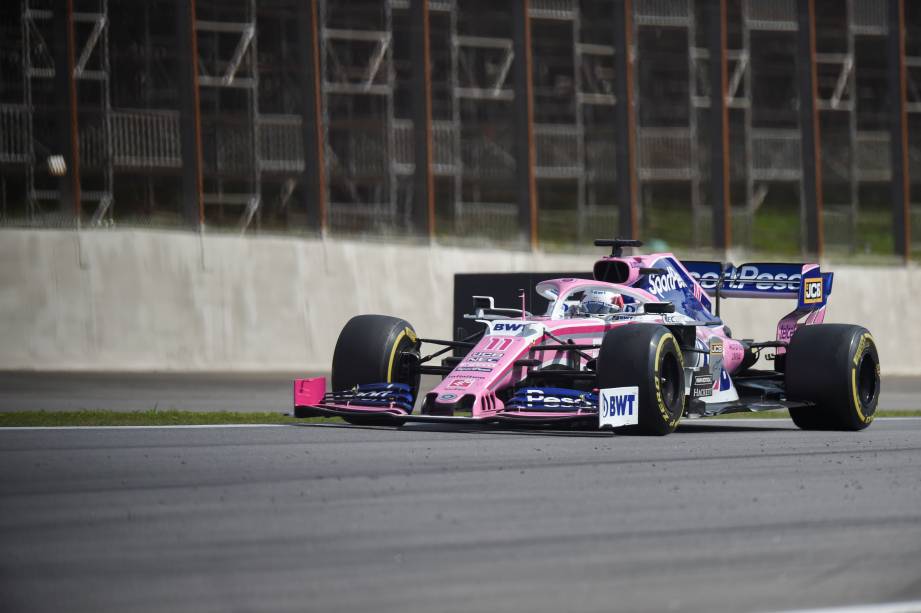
<point x="375" y="349"/>
<point x="835" y="366"/>
<point x="649" y="357"/>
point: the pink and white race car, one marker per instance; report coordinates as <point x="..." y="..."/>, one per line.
<point x="635" y="348"/>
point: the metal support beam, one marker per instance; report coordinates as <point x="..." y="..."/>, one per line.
<point x="423" y="181"/>
<point x="898" y="126"/>
<point x="809" y="128"/>
<point x="719" y="124"/>
<point x="314" y="178"/>
<point x="525" y="154"/>
<point x="190" y="114"/>
<point x="66" y="90"/>
<point x="625" y="117"/>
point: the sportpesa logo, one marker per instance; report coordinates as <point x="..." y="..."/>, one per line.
<point x="659" y="284"/>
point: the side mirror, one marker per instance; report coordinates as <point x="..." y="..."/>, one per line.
<point x="483" y="303"/>
<point x="658" y="307"/>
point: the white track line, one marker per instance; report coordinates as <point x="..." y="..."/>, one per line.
<point x="199" y="426"/>
<point x="886" y="607"/>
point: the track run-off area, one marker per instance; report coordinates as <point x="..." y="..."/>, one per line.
<point x="723" y="515"/>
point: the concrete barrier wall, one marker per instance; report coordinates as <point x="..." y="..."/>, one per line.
<point x="176" y="301"/>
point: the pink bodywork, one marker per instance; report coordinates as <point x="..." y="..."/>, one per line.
<point x="309" y="391"/>
<point x="491" y="364"/>
<point x="483" y="378"/>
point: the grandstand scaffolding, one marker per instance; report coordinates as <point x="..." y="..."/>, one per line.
<point x="789" y="126"/>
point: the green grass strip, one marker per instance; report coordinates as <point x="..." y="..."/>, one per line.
<point x="145" y="418"/>
<point x="22" y="419"/>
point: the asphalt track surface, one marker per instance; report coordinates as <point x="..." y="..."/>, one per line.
<point x="720" y="516"/>
<point x="31" y="391"/>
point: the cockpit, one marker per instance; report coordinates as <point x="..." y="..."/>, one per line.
<point x="570" y="298"/>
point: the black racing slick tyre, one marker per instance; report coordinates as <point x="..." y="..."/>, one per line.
<point x="649" y="357"/>
<point x="835" y="366"/>
<point x="375" y="349"/>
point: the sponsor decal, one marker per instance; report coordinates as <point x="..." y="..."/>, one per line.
<point x="725" y="382"/>
<point x="498" y="344"/>
<point x="659" y="284"/>
<point x="375" y="394"/>
<point x="701" y="385"/>
<point x="460" y="383"/>
<point x="707" y="280"/>
<point x="812" y="290"/>
<point x="785" y="330"/>
<point x="619" y="406"/>
<point x="447" y="396"/>
<point x="507" y="327"/>
<point x="537" y="396"/>
<point x="747" y="273"/>
<point x="744" y="277"/>
<point x="484" y="356"/>
<point x="473" y="369"/>
<point x="716" y="346"/>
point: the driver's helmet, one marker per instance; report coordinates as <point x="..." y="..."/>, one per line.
<point x="601" y="302"/>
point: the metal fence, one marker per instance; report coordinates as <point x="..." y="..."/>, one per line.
<point x="786" y="126"/>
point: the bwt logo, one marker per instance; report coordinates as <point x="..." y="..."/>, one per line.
<point x="621" y="404"/>
<point x="509" y="327"/>
<point x="659" y="284"/>
<point x="812" y="291"/>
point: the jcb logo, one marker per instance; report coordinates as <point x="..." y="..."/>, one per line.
<point x="812" y="291"/>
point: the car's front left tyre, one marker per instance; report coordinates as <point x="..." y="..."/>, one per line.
<point x="375" y="349"/>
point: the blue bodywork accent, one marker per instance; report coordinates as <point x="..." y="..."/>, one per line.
<point x="383" y="395"/>
<point x="677" y="287"/>
<point x="552" y="399"/>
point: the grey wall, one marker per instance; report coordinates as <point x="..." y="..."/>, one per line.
<point x="153" y="300"/>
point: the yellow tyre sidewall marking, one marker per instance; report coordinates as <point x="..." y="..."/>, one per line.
<point x="393" y="351"/>
<point x="663" y="410"/>
<point x="865" y="341"/>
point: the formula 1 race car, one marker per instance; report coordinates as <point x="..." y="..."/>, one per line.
<point x="635" y="348"/>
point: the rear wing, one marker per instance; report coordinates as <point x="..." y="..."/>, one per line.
<point x="804" y="282"/>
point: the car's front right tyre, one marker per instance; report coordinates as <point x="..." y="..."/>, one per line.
<point x="646" y="356"/>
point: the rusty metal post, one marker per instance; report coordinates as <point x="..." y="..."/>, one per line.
<point x="66" y="90"/>
<point x="525" y="154"/>
<point x="809" y="128"/>
<point x="625" y="117"/>
<point x="314" y="178"/>
<point x="719" y="126"/>
<point x="423" y="180"/>
<point x="190" y="114"/>
<point x="898" y="126"/>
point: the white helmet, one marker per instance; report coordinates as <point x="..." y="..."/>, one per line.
<point x="601" y="302"/>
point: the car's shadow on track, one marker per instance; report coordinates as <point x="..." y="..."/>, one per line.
<point x="705" y="428"/>
<point x="519" y="430"/>
<point x="468" y="429"/>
